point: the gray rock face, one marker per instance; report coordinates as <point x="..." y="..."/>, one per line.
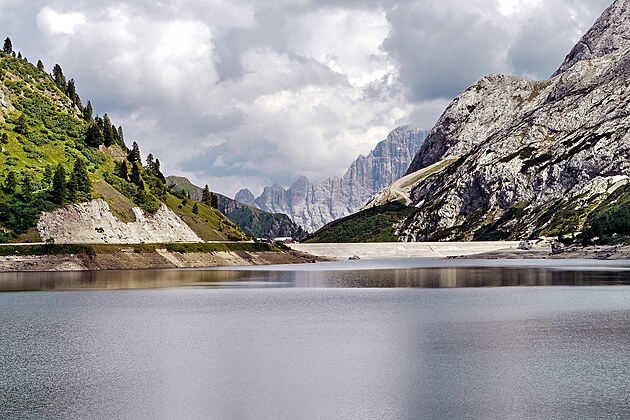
<point x="93" y="222"/>
<point x="245" y="196"/>
<point x="609" y="33"/>
<point x="314" y="204"/>
<point x="533" y="157"/>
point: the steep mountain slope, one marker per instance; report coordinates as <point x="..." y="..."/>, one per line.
<point x="530" y="158"/>
<point x="54" y="153"/>
<point x="252" y="220"/>
<point x="313" y="204"/>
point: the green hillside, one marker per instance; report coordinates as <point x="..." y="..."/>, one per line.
<point x="254" y="221"/>
<point x="54" y="151"/>
<point x="372" y="225"/>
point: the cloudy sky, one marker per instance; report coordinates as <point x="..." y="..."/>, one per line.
<point x="246" y="93"/>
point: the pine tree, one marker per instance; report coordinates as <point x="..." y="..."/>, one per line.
<point x="59" y="78"/>
<point x="206" y="196"/>
<point x="135" y="174"/>
<point x="59" y="184"/>
<point x="122" y="171"/>
<point x="158" y="172"/>
<point x="48" y="176"/>
<point x="81" y="178"/>
<point x="28" y="188"/>
<point x="150" y="162"/>
<point x="87" y="112"/>
<point x="195" y="208"/>
<point x="10" y="183"/>
<point x="108" y="138"/>
<point x="13" y="54"/>
<point x="71" y="90"/>
<point x="21" y="125"/>
<point x="19" y="55"/>
<point x="134" y="154"/>
<point x="8" y="46"/>
<point x="93" y="136"/>
<point x="215" y="201"/>
<point x="40" y="65"/>
<point x="121" y="136"/>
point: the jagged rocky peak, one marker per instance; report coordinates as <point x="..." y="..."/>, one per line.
<point x="611" y="32"/>
<point x="245" y="196"/>
<point x="312" y="204"/>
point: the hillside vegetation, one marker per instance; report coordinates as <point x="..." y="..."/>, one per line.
<point x="375" y="224"/>
<point x="53" y="151"/>
<point x="253" y="221"/>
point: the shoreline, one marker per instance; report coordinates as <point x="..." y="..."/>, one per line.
<point x="157" y="260"/>
<point x="573" y="252"/>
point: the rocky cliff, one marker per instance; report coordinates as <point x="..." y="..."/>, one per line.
<point x="93" y="222"/>
<point x="312" y="204"/>
<point x="528" y="158"/>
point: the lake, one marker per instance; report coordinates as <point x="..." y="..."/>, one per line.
<point x="399" y="339"/>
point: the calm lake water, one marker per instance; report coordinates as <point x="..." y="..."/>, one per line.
<point x="361" y="340"/>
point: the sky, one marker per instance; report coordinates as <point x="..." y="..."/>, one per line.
<point x="246" y="93"/>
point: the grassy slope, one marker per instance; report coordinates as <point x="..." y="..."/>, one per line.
<point x="254" y="221"/>
<point x="371" y="225"/>
<point x="55" y="135"/>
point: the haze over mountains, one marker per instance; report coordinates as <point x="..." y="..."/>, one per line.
<point x="312" y="204"/>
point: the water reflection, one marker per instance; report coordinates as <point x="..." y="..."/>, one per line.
<point x="412" y="277"/>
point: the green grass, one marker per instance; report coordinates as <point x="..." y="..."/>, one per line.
<point x="58" y="249"/>
<point x="371" y="225"/>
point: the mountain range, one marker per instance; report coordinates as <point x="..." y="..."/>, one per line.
<point x="312" y="204"/>
<point x="512" y="158"/>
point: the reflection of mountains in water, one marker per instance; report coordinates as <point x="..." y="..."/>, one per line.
<point x="434" y="278"/>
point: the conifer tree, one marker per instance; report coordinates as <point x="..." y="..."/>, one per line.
<point x="21" y="125"/>
<point x="40" y="65"/>
<point x="59" y="184"/>
<point x="150" y="162"/>
<point x="108" y="138"/>
<point x="10" y="183"/>
<point x="135" y="174"/>
<point x="206" y="196"/>
<point x="93" y="136"/>
<point x="122" y="170"/>
<point x="99" y="122"/>
<point x="134" y="154"/>
<point x="28" y="188"/>
<point x="195" y="208"/>
<point x="48" y="176"/>
<point x="215" y="201"/>
<point x="13" y="54"/>
<point x="81" y="178"/>
<point x="121" y="136"/>
<point x="19" y="56"/>
<point x="59" y="78"/>
<point x="8" y="46"/>
<point x="71" y="90"/>
<point x="158" y="172"/>
<point x="87" y="112"/>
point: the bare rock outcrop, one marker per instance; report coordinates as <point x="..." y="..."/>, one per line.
<point x="533" y="157"/>
<point x="93" y="222"/>
<point x="312" y="204"/>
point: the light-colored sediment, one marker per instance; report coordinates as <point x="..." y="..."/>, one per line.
<point x="150" y="260"/>
<point x="403" y="249"/>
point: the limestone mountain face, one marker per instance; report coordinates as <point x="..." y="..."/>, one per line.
<point x="528" y="158"/>
<point x="312" y="204"/>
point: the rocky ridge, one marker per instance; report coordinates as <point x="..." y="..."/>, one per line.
<point x="93" y="222"/>
<point x="533" y="157"/>
<point x="312" y="204"/>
